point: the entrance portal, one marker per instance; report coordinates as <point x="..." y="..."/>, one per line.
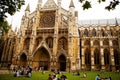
<point x="44" y="65"/>
<point x="41" y="59"/>
<point x="23" y="60"/>
<point x="62" y="63"/>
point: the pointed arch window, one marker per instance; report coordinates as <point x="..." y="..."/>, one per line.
<point x="27" y="43"/>
<point x="111" y="32"/>
<point x="86" y="33"/>
<point x="116" y="57"/>
<point x="38" y="40"/>
<point x="87" y="57"/>
<point x="87" y="42"/>
<point x="62" y="43"/>
<point x="102" y="33"/>
<point x="94" y="32"/>
<point x="49" y="41"/>
<point x="96" y="56"/>
<point x="105" y="42"/>
<point x="106" y="56"/>
<point x="115" y="42"/>
<point x="96" y="42"/>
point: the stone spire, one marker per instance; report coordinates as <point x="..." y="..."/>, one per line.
<point x="71" y="4"/>
<point x="116" y="22"/>
<point x="27" y="11"/>
<point x="27" y="8"/>
<point x="50" y="4"/>
<point x="39" y="5"/>
<point x="59" y="2"/>
<point x="72" y="8"/>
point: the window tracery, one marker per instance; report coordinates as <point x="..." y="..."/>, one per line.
<point x="62" y="43"/>
<point x="49" y="41"/>
<point x="27" y="43"/>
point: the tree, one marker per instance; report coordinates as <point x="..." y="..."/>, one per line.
<point x="87" y="4"/>
<point x="4" y="26"/>
<point x="10" y="7"/>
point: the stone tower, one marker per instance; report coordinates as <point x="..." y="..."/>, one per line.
<point x="48" y="38"/>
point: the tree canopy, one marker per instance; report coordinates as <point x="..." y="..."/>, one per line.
<point x="9" y="7"/>
<point x="86" y="4"/>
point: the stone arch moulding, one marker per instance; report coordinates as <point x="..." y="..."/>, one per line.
<point x="42" y="44"/>
<point x="41" y="59"/>
<point x="22" y="52"/>
<point x="23" y="59"/>
<point x="59" y="54"/>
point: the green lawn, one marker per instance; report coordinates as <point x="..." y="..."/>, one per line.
<point x="39" y="76"/>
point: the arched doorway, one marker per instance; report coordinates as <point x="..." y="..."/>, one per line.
<point x="62" y="63"/>
<point x="23" y="60"/>
<point x="41" y="59"/>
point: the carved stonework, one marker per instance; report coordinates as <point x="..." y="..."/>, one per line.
<point x="47" y="19"/>
<point x="51" y="38"/>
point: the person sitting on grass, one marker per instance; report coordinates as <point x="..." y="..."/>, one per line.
<point x="63" y="77"/>
<point x="29" y="74"/>
<point x="50" y="77"/>
<point x="97" y="77"/>
<point x="16" y="74"/>
<point x="84" y="75"/>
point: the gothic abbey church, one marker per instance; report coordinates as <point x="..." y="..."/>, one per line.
<point x="51" y="37"/>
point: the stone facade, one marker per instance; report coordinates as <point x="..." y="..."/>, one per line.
<point x="50" y="37"/>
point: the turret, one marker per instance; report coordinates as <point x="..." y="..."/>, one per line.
<point x="116" y="22"/>
<point x="27" y="11"/>
<point x="72" y="7"/>
<point x="76" y="16"/>
<point x="59" y="2"/>
<point x="39" y="5"/>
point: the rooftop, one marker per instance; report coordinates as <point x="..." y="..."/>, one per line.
<point x="100" y="22"/>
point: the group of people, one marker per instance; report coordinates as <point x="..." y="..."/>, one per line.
<point x="27" y="71"/>
<point x="98" y="78"/>
<point x="55" y="74"/>
<point x="78" y="74"/>
<point x="22" y="71"/>
<point x="54" y="77"/>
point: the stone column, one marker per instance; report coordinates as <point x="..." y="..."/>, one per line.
<point x="92" y="55"/>
<point x="31" y="46"/>
<point x="83" y="59"/>
<point x="102" y="55"/>
<point x="68" y="64"/>
<point x="112" y="66"/>
<point x="102" y="59"/>
<point x="92" y="59"/>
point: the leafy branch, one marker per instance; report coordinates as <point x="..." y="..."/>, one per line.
<point x="112" y="5"/>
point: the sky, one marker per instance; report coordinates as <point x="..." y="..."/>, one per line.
<point x="96" y="12"/>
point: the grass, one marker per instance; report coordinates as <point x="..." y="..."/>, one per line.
<point x="39" y="76"/>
